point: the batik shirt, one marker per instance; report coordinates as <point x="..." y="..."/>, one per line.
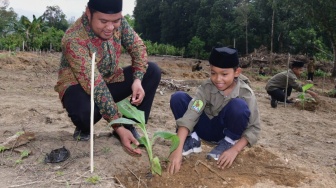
<point x="78" y="45"/>
<point x="279" y="81"/>
<point x="211" y="101"/>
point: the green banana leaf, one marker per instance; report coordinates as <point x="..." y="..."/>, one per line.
<point x="143" y="141"/>
<point x="156" y="167"/>
<point x="168" y="136"/>
<point x="129" y="111"/>
<point x="122" y="121"/>
<point x="306" y="87"/>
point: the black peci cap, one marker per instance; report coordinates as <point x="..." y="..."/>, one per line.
<point x="297" y="64"/>
<point x="106" y="6"/>
<point x="224" y="57"/>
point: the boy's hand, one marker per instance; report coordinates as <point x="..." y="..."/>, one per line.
<point x="312" y="93"/>
<point x="175" y="158"/>
<point x="226" y="159"/>
<point x="175" y="162"/>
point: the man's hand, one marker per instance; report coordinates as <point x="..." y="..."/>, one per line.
<point x="127" y="139"/>
<point x="138" y="92"/>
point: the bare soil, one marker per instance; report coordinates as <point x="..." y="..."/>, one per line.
<point x="296" y="147"/>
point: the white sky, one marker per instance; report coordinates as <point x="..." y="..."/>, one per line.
<point x="71" y="8"/>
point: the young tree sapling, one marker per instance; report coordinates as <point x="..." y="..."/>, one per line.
<point x="129" y="111"/>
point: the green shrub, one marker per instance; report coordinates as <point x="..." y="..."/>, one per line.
<point x="332" y="93"/>
<point x="320" y="73"/>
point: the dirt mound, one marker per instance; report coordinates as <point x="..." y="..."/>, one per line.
<point x="29" y="61"/>
<point x="251" y="167"/>
<point x="262" y="58"/>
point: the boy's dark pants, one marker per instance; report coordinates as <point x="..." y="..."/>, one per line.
<point x="78" y="105"/>
<point x="311" y="76"/>
<point x="279" y="94"/>
<point x="231" y="121"/>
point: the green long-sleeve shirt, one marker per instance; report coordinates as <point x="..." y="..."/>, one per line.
<point x="214" y="101"/>
<point x="279" y="81"/>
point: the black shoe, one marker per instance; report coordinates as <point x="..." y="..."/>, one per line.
<point x="289" y="101"/>
<point x="81" y="136"/>
<point x="191" y="145"/>
<point x="130" y="128"/>
<point x="274" y="103"/>
<point x="222" y="146"/>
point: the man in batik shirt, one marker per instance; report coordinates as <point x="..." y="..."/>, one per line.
<point x="103" y="30"/>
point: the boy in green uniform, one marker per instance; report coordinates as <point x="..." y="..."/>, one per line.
<point x="223" y="111"/>
<point x="276" y="86"/>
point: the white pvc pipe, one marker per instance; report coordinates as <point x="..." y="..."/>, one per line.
<point x="92" y="111"/>
<point x="285" y="101"/>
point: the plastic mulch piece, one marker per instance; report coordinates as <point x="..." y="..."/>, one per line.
<point x="57" y="155"/>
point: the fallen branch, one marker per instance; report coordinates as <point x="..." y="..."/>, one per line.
<point x="200" y="162"/>
<point x="170" y="84"/>
<point x="80" y="176"/>
<point x="17" y="140"/>
<point x="137" y="177"/>
<point x="25" y="184"/>
<point x="119" y="183"/>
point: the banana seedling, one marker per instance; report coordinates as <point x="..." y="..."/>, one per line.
<point x="131" y="112"/>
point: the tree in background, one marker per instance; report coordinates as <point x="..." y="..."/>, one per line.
<point x="201" y="22"/>
<point x="245" y="24"/>
<point x="177" y="21"/>
<point x="31" y="30"/>
<point x="11" y="42"/>
<point x="243" y="12"/>
<point x="147" y="22"/>
<point x="306" y="27"/>
<point x="8" y="18"/>
<point x="196" y="46"/>
<point x="304" y="39"/>
<point x="51" y="39"/>
<point x="221" y="15"/>
<point x="323" y="14"/>
<point x="54" y="17"/>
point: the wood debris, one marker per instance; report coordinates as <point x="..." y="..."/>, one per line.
<point x="17" y="140"/>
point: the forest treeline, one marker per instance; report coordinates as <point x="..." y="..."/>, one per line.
<point x="190" y="28"/>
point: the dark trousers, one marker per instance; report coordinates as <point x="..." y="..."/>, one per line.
<point x="78" y="103"/>
<point x="231" y="121"/>
<point x="310" y="76"/>
<point x="279" y="94"/>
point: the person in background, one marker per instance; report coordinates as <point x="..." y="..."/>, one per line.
<point x="311" y="69"/>
<point x="276" y="86"/>
<point x="261" y="71"/>
<point x="103" y="30"/>
<point x="223" y="111"/>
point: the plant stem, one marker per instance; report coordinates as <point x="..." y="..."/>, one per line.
<point x="149" y="148"/>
